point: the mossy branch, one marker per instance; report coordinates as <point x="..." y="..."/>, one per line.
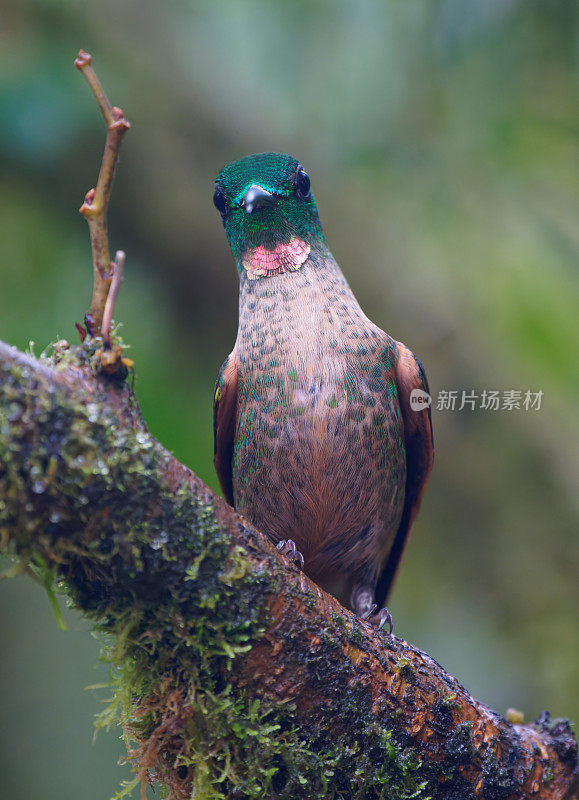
<point x="236" y="675"/>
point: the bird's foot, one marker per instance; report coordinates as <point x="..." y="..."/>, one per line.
<point x="380" y="619"/>
<point x="287" y="547"/>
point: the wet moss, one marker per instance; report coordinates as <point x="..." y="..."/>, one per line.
<point x="87" y="499"/>
<point x="406" y="670"/>
<point x="562" y="736"/>
<point x="460" y="747"/>
<point x="498" y="781"/>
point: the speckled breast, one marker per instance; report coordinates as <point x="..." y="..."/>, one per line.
<point x="319" y="454"/>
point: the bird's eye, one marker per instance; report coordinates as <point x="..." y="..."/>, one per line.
<point x="302" y="183"/>
<point x="220" y="202"/>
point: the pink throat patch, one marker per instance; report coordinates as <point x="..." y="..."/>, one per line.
<point x="259" y="262"/>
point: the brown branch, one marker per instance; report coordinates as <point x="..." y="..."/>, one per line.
<point x="117" y="279"/>
<point x="213" y="620"/>
<point x="96" y="201"/>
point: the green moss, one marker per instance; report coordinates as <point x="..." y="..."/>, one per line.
<point x="406" y="670"/>
<point x="356" y="635"/>
<point x="47" y="576"/>
<point x="222" y="743"/>
<point x="179" y="604"/>
<point x="449" y="701"/>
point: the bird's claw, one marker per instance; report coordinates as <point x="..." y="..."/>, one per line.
<point x="288" y="548"/>
<point x="380" y="619"/>
<point x="371" y="610"/>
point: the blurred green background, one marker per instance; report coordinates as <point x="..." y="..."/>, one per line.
<point x="441" y="137"/>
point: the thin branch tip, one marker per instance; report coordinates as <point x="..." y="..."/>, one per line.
<point x="116" y="275"/>
<point x="83" y="60"/>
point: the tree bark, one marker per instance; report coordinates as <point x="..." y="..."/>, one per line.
<point x="237" y="677"/>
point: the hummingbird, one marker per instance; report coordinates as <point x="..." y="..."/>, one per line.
<point x="322" y="426"/>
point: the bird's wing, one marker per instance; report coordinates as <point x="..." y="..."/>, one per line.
<point x="224" y="421"/>
<point x="419" y="446"/>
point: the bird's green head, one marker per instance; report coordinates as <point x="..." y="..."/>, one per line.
<point x="269" y="214"/>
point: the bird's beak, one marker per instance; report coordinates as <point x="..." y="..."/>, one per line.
<point x="257" y="197"/>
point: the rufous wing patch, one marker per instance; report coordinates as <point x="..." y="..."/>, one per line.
<point x="259" y="262"/>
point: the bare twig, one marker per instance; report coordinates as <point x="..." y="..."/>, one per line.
<point x="117" y="279"/>
<point x="111" y="355"/>
<point x="94" y="208"/>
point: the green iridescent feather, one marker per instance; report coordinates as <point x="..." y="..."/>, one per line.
<point x="289" y="217"/>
